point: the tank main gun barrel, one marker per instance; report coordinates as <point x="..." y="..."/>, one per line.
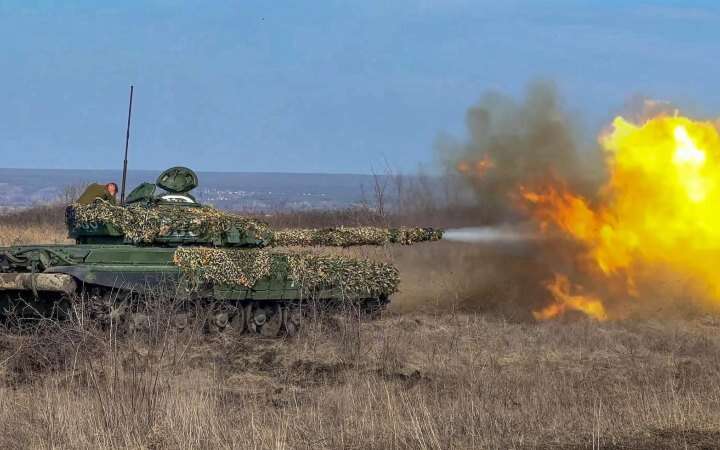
<point x="352" y="236"/>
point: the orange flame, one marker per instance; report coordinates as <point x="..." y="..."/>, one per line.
<point x="564" y="301"/>
<point x="660" y="206"/>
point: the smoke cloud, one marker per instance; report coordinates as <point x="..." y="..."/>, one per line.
<point x="524" y="143"/>
<point x="534" y="143"/>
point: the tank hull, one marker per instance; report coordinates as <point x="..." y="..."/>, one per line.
<point x="47" y="274"/>
<point x="127" y="268"/>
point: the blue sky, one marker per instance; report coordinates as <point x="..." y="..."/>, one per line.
<point x="323" y="86"/>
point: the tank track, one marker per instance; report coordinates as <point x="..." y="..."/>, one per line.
<point x="132" y="313"/>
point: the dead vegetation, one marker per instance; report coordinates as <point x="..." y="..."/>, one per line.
<point x="417" y="380"/>
<point x="41" y="224"/>
<point x="455" y="363"/>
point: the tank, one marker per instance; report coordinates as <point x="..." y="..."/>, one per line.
<point x="235" y="271"/>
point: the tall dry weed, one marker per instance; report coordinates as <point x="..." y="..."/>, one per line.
<point x="411" y="381"/>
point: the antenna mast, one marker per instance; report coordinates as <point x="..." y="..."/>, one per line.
<point x="127" y="142"/>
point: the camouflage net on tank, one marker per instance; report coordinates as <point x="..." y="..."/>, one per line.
<point x="349" y="236"/>
<point x="143" y="224"/>
<point x="309" y="272"/>
<point x="354" y="278"/>
<point x="224" y="266"/>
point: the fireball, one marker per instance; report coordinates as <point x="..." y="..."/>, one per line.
<point x="659" y="208"/>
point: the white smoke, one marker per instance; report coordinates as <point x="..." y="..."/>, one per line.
<point x="490" y="235"/>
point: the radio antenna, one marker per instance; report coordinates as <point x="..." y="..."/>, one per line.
<point x="127" y="143"/>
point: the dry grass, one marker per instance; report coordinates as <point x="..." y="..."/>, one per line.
<point x="16" y="235"/>
<point x="455" y="363"/>
<point x="41" y="225"/>
<point x="409" y="381"/>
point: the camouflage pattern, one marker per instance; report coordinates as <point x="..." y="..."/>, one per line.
<point x="356" y="278"/>
<point x="350" y="236"/>
<point x="244" y="267"/>
<point x="50" y="282"/>
<point x="240" y="267"/>
<point x="142" y="223"/>
<point x="145" y="223"/>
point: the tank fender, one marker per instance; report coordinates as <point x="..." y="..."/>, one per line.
<point x="117" y="279"/>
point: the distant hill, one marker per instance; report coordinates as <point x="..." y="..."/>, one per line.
<point x="247" y="191"/>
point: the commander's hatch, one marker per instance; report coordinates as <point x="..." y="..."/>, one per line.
<point x="178" y="182"/>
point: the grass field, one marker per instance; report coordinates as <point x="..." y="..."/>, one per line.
<point x="456" y="362"/>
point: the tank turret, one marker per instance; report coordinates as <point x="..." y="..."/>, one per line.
<point x="174" y="217"/>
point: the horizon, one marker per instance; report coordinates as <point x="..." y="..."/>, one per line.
<point x="21" y="188"/>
